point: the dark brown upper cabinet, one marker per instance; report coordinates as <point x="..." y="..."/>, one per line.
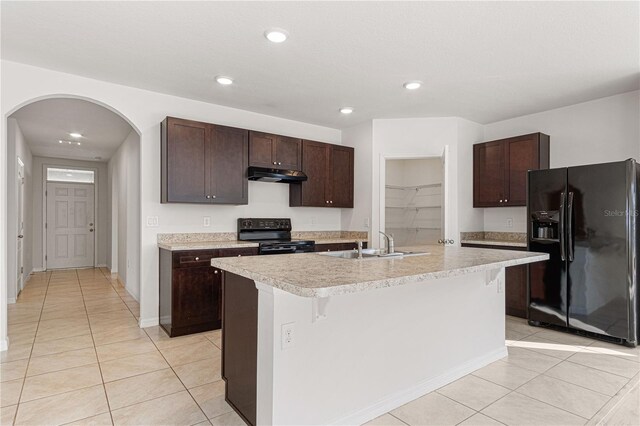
<point x="203" y="163"/>
<point x="500" y="169"/>
<point x="274" y="151"/>
<point x="329" y="169"/>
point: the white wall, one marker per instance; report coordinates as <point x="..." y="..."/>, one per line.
<point x="597" y="131"/>
<point x="124" y="188"/>
<point x="101" y="208"/>
<point x="361" y="139"/>
<point x="21" y="84"/>
<point x="17" y="148"/>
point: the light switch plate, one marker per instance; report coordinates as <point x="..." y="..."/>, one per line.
<point x="509" y="223"/>
<point x="152" y="222"/>
<point x="206" y="221"/>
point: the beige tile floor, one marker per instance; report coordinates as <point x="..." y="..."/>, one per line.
<point x="77" y="356"/>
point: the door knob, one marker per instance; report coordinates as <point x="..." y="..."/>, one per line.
<point x="20" y="236"/>
<point x="90" y="230"/>
<point x="91" y="224"/>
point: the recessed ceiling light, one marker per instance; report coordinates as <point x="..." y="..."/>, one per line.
<point x="276" y="35"/>
<point x="75" y="135"/>
<point x="59" y="141"/>
<point x="225" y="81"/>
<point x="78" y="143"/>
<point x="69" y="175"/>
<point x="346" y="110"/>
<point x="97" y="158"/>
<point x="412" y="85"/>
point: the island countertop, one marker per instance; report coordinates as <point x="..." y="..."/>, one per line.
<point x="316" y="275"/>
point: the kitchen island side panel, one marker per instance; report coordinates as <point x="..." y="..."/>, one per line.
<point x="373" y="351"/>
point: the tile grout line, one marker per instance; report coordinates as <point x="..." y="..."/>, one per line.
<point x="104" y="389"/>
<point x="24" y="379"/>
<point x="178" y="377"/>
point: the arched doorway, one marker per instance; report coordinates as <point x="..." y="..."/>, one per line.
<point x="41" y="134"/>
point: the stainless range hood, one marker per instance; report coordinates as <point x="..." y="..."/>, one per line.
<point x="265" y="174"/>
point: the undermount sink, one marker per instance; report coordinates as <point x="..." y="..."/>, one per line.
<point x="371" y="254"/>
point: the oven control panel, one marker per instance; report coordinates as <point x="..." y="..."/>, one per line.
<point x="264" y="224"/>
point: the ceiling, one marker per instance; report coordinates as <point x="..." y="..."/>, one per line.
<point x="45" y="123"/>
<point x="484" y="61"/>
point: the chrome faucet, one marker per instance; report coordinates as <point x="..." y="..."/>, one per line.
<point x="389" y="246"/>
<point x="359" y="249"/>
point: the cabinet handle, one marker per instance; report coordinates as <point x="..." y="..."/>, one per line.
<point x="208" y="196"/>
<point x="213" y="196"/>
<point x="279" y="163"/>
<point x="327" y="201"/>
<point x="215" y="272"/>
<point x="239" y="255"/>
<point x="500" y="200"/>
<point x="275" y="162"/>
<point x="331" y="202"/>
<point x="505" y="200"/>
<point x="197" y="258"/>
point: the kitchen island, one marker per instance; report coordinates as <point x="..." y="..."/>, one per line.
<point x="317" y="339"/>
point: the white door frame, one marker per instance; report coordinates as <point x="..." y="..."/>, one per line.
<point x="44" y="209"/>
<point x="20" y="226"/>
<point x="446" y="189"/>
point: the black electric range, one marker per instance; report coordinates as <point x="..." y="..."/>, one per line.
<point x="273" y="236"/>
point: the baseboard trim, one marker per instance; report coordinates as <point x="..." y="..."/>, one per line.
<point x="4" y="344"/>
<point x="402" y="397"/>
<point x="38" y="270"/>
<point x="148" y="322"/>
<point x="101" y="265"/>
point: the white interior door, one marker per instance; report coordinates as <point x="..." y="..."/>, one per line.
<point x="20" y="227"/>
<point x="70" y="225"/>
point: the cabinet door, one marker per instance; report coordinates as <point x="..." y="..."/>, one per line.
<point x="184" y="169"/>
<point x="315" y="162"/>
<point x="261" y="148"/>
<point x="287" y="153"/>
<point x="522" y="155"/>
<point x="516" y="290"/>
<point x="341" y="177"/>
<point x="228" y="159"/>
<point x="196" y="299"/>
<point x="488" y="174"/>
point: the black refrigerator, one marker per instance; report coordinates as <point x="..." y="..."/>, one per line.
<point x="586" y="218"/>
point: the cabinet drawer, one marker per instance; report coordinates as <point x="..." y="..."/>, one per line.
<point x="193" y="258"/>
<point x="234" y="252"/>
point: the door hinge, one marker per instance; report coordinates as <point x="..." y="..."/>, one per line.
<point x="45" y="257"/>
<point x="46" y="193"/>
<point x="22" y="270"/>
<point x="46" y="225"/>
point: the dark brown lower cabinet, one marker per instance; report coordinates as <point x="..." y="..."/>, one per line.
<point x="240" y="344"/>
<point x="516" y="283"/>
<point x="191" y="289"/>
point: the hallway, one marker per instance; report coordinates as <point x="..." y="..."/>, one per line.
<point x="77" y="354"/>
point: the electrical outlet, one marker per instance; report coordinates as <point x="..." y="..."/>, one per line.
<point x="288" y="335"/>
<point x="152" y="221"/>
<point x="366" y="222"/>
<point x="509" y="223"/>
<point x="206" y="221"/>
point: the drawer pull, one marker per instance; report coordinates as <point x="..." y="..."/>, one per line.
<point x="197" y="258"/>
<point x="215" y="272"/>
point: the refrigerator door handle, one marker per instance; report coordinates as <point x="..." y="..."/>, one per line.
<point x="570" y="226"/>
<point x="563" y="257"/>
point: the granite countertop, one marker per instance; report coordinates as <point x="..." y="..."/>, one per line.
<point x="316" y="275"/>
<point x="508" y="239"/>
<point x="219" y="240"/>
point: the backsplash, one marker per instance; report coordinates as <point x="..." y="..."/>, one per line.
<point x="494" y="236"/>
<point x="232" y="236"/>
